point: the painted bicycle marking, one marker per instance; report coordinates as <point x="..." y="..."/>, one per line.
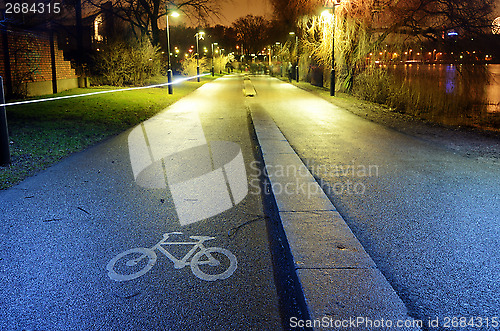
<point x="141" y="260"/>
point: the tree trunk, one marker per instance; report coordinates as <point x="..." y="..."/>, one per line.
<point x="155" y="34"/>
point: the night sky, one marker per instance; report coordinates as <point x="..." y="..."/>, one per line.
<point x="235" y="9"/>
<point x="238" y="8"/>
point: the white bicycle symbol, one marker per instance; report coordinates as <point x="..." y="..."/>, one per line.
<point x="140" y="260"/>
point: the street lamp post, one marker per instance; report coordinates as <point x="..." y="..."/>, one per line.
<point x="198" y="35"/>
<point x="5" y="157"/>
<point x="270" y="54"/>
<point x="297" y="46"/>
<point x="279" y="58"/>
<point x="331" y="4"/>
<point x="169" y="66"/>
<point x="220" y="55"/>
<point x="213" y="68"/>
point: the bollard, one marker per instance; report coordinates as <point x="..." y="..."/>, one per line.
<point x="4" y="131"/>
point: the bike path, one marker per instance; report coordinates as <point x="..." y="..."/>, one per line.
<point x="426" y="215"/>
<point x="61" y="228"/>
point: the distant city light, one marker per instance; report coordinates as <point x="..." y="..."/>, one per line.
<point x="453" y="33"/>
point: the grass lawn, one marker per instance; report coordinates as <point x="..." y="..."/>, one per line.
<point x="41" y="134"/>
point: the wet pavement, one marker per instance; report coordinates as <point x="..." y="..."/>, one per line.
<point x="428" y="216"/>
<point x="91" y="243"/>
<point x="62" y="230"/>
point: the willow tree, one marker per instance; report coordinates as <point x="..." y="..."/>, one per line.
<point x="364" y="26"/>
<point x="356" y="26"/>
<point x="289" y="12"/>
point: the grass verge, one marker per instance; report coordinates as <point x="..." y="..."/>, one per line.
<point x="42" y="134"/>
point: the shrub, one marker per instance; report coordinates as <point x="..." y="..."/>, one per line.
<point x="220" y="63"/>
<point x="121" y="63"/>
<point x="188" y="66"/>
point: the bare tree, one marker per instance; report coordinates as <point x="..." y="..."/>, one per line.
<point x="145" y="15"/>
<point x="289" y="12"/>
<point x="252" y="32"/>
<point x="431" y="18"/>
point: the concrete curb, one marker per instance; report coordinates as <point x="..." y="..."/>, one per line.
<point x="248" y="88"/>
<point x="342" y="286"/>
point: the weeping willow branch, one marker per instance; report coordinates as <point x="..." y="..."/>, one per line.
<point x="355" y="38"/>
<point x="365" y="26"/>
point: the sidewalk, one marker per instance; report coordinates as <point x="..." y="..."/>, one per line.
<point x="342" y="286"/>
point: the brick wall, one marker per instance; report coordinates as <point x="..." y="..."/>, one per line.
<point x="30" y="59"/>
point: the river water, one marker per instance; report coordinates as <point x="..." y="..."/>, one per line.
<point x="478" y="86"/>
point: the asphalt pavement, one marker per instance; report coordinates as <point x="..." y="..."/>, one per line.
<point x="427" y="215"/>
<point x="68" y="235"/>
<point x="163" y="227"/>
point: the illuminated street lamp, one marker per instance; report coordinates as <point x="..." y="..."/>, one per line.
<point x="495" y="28"/>
<point x="331" y="4"/>
<point x="198" y="35"/>
<point x="169" y="66"/>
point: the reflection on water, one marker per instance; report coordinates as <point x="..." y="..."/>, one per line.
<point x="450" y="79"/>
<point x="493" y="89"/>
<point x="475" y="90"/>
